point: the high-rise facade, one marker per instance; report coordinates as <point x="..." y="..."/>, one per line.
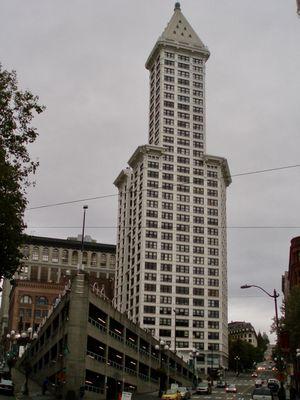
<point x="171" y="272"/>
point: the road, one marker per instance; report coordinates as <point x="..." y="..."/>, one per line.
<point x="244" y="384"/>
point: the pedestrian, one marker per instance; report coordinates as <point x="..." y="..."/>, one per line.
<point x="45" y="385"/>
<point x="281" y="392"/>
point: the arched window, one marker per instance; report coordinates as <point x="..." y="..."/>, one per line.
<point x="35" y="253"/>
<point x="103" y="259"/>
<point x="41" y="301"/>
<point x="26" y="299"/>
<point x="45" y="254"/>
<point x="25" y="252"/>
<point x="84" y="258"/>
<point x="112" y="260"/>
<point x="94" y="260"/>
<point x="55" y="255"/>
<point x="65" y="257"/>
<point x="75" y="257"/>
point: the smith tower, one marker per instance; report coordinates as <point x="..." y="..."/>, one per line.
<point x="171" y="274"/>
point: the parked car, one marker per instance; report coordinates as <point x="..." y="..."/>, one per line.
<point x="273" y="380"/>
<point x="254" y="375"/>
<point x="6" y="386"/>
<point x="262" y="393"/>
<point x="258" y="383"/>
<point x="171" y="394"/>
<point x="221" y="384"/>
<point x="231" y="388"/>
<point x="273" y="385"/>
<point x="203" y="387"/>
<point x="184" y="392"/>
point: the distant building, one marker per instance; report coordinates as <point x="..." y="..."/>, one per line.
<point x="291" y="277"/>
<point x="171" y="274"/>
<point x="285" y="284"/>
<point x="87" y="346"/>
<point x="294" y="263"/>
<point x="47" y="265"/>
<point x="243" y="331"/>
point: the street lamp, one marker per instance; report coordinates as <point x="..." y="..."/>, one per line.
<point x="161" y="347"/>
<point x="237" y="359"/>
<point x="85" y="207"/>
<point x="193" y="355"/>
<point x="211" y="348"/>
<point x="18" y="341"/>
<point x="274" y="296"/>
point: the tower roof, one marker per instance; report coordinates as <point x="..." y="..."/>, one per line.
<point x="179" y="33"/>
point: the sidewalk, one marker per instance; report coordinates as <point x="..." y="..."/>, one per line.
<point x="35" y="390"/>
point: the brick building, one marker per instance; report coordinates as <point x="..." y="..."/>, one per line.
<point x="47" y="265"/>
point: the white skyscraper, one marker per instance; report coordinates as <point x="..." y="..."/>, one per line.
<point x="171" y="273"/>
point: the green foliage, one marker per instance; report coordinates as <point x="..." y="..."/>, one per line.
<point x="247" y="353"/>
<point x="262" y="342"/>
<point x="16" y="133"/>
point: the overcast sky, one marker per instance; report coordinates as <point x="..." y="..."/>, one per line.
<point x="85" y="59"/>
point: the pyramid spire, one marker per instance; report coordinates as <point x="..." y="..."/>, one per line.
<point x="179" y="33"/>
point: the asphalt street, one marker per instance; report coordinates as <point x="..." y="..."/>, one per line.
<point x="244" y="385"/>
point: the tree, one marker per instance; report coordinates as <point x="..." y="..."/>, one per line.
<point x="262" y="343"/>
<point x="247" y="355"/>
<point x="17" y="110"/>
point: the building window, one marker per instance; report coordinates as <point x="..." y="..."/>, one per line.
<point x="149" y="320"/>
<point x="165" y="333"/>
<point x="65" y="257"/>
<point x="94" y="260"/>
<point x="54" y="275"/>
<point x="164" y="289"/>
<point x="149" y="309"/>
<point x="55" y="254"/>
<point x="41" y="301"/>
<point x="103" y="260"/>
<point x="75" y="257"/>
<point x="26" y="299"/>
<point x="45" y="254"/>
<point x="165" y="321"/>
<point x="25" y="252"/>
<point x="35" y="253"/>
<point x="198" y="291"/>
<point x="165" y="310"/>
<point x="149" y="298"/>
<point x="84" y="258"/>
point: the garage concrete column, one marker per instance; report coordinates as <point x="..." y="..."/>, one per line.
<point x="77" y="334"/>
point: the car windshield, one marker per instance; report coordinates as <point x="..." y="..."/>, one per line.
<point x="202" y="384"/>
<point x="171" y="391"/>
<point x="182" y="389"/>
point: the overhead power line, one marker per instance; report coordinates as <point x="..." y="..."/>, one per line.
<point x="73" y="201"/>
<point x="261" y="171"/>
<point x="115" y="195"/>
